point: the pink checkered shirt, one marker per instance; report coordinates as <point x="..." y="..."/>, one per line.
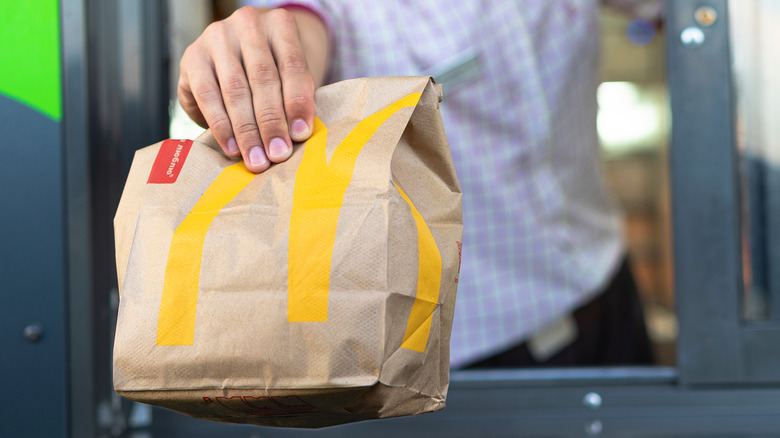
<point x="541" y="234"/>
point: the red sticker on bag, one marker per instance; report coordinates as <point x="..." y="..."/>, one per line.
<point x="169" y="161"/>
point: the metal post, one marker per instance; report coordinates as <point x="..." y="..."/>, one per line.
<point x="705" y="199"/>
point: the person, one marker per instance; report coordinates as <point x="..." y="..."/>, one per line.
<point x="544" y="277"/>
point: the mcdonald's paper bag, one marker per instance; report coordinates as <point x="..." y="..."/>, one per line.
<point x="318" y="292"/>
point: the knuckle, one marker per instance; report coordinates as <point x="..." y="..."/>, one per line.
<point x="191" y="57"/>
<point x="294" y="63"/>
<point x="282" y="17"/>
<point x="245" y="14"/>
<point x="220" y="124"/>
<point x="264" y="74"/>
<point x="186" y="55"/>
<point x="269" y="119"/>
<point x="236" y="87"/>
<point x="298" y="102"/>
<point x="182" y="86"/>
<point x="215" y="29"/>
<point x="186" y="100"/>
<point x="245" y="128"/>
<point x="206" y="93"/>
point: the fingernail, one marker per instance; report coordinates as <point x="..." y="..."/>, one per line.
<point x="232" y="147"/>
<point x="299" y="129"/>
<point x="257" y="156"/>
<point x="278" y="148"/>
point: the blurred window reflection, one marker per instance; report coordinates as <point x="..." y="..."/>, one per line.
<point x="630" y="116"/>
<point x="756" y="66"/>
<point x="633" y="127"/>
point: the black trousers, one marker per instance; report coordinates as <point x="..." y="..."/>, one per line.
<point x="611" y="331"/>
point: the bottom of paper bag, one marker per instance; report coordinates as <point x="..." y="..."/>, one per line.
<point x="283" y="408"/>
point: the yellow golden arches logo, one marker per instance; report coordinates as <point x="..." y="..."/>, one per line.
<point x="176" y="323"/>
<point x="428" y="283"/>
<point x="319" y="191"/>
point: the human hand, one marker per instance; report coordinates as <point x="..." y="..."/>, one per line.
<point x="247" y="78"/>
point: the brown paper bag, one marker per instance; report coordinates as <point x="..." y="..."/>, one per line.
<point x="316" y="293"/>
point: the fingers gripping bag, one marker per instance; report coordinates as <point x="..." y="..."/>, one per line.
<point x="316" y="293"/>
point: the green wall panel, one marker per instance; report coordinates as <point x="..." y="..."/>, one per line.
<point x="30" y="54"/>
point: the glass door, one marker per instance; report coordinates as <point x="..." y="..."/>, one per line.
<point x="724" y="94"/>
